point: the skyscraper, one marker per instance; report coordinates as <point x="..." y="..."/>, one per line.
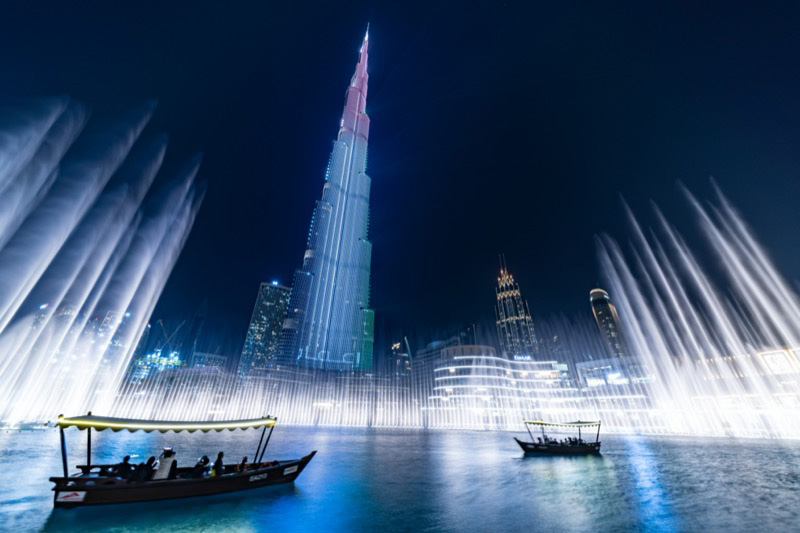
<point x="330" y="325"/>
<point x="514" y="323"/>
<point x="605" y="314"/>
<point x="261" y="344"/>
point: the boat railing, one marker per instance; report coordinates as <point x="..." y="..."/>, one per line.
<point x="100" y="470"/>
<point x="82" y="483"/>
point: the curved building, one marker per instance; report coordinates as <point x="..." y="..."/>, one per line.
<point x="474" y="388"/>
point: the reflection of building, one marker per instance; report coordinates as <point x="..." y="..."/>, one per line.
<point x="474" y="388"/>
<point x="605" y="314"/>
<point x="153" y="363"/>
<point x="330" y="325"/>
<point x="207" y="360"/>
<point x="261" y="344"/>
<point x="613" y="371"/>
<point x="514" y="323"/>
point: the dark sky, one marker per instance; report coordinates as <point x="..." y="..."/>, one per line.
<point x="509" y="128"/>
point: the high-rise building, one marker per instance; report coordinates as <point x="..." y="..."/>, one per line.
<point x="515" y="329"/>
<point x="261" y="344"/>
<point x="400" y="359"/>
<point x="330" y="325"/>
<point x="605" y="314"/>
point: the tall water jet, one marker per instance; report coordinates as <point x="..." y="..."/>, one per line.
<point x="725" y="355"/>
<point x="85" y="250"/>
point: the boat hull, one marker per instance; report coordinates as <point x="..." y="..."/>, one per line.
<point x="81" y="491"/>
<point x="533" y="448"/>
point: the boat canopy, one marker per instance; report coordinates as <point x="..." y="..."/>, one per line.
<point x="101" y="423"/>
<point x="576" y="424"/>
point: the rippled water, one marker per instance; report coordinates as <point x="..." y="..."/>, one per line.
<point x="395" y="480"/>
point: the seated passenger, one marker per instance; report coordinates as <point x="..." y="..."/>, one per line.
<point x="123" y="469"/>
<point x="218" y="467"/>
<point x="167" y="465"/>
<point x="143" y="471"/>
<point x="149" y="468"/>
<point x="242" y="466"/>
<point x="199" y="469"/>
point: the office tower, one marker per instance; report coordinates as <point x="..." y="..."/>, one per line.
<point x="400" y="359"/>
<point x="261" y="344"/>
<point x="330" y="325"/>
<point x="514" y="323"/>
<point x="605" y="314"/>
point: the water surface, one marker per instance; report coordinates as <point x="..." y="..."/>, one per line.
<point x="409" y="480"/>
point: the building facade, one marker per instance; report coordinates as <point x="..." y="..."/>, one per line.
<point x="330" y="325"/>
<point x="605" y="315"/>
<point x="515" y="330"/>
<point x="260" y="349"/>
<point x="474" y="388"/>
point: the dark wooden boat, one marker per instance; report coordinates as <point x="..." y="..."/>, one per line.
<point x="545" y="445"/>
<point x="99" y="484"/>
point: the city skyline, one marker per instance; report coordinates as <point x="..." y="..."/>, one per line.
<point x="475" y="266"/>
<point x="577" y="119"/>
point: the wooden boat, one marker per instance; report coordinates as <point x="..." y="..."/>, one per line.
<point x="100" y="484"/>
<point x="545" y="445"/>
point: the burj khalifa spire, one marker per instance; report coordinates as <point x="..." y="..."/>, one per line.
<point x="329" y="324"/>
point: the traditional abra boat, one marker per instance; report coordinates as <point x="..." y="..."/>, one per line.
<point x="545" y="445"/>
<point x="102" y="484"/>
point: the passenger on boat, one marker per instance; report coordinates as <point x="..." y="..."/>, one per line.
<point x="199" y="469"/>
<point x="149" y="468"/>
<point x="242" y="466"/>
<point x="143" y="472"/>
<point x="218" y="467"/>
<point x="123" y="469"/>
<point x="167" y="465"/>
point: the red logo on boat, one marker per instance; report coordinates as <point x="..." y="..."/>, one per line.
<point x="76" y="496"/>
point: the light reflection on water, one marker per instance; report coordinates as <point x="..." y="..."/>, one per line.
<point x="404" y="480"/>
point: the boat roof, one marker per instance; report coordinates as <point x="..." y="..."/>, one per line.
<point x="101" y="423"/>
<point x="577" y="423"/>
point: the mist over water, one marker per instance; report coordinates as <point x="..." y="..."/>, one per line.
<point x="87" y="242"/>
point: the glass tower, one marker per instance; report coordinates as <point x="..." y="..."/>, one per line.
<point x="261" y="344"/>
<point x="605" y="314"/>
<point x="514" y="323"/>
<point x="330" y="325"/>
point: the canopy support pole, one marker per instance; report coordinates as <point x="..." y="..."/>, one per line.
<point x="579" y="433"/>
<point x="528" y="427"/>
<point x="598" y="433"/>
<point x="89" y="446"/>
<point x="64" y="453"/>
<point x="265" y="444"/>
<point x="255" y="457"/>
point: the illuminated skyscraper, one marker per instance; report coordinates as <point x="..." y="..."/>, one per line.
<point x="261" y="344"/>
<point x="330" y="325"/>
<point x="400" y="359"/>
<point x="605" y="314"/>
<point x="514" y="323"/>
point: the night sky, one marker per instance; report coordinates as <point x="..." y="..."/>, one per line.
<point x="513" y="128"/>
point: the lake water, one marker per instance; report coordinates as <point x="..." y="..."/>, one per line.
<point x="409" y="480"/>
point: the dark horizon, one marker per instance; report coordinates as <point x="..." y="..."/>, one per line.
<point x="513" y="129"/>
